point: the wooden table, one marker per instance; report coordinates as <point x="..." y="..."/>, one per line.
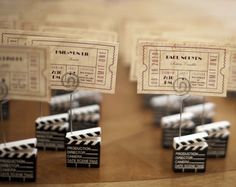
<point x="131" y="152"/>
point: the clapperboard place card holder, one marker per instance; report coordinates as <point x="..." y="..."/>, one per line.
<point x="51" y="130"/>
<point x="83" y="148"/>
<point x="190" y="153"/>
<point x="18" y="161"/>
<point x="218" y="136"/>
<point x="200" y="116"/>
<point x="170" y="127"/>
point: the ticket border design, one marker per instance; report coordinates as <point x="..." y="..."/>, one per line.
<point x="43" y="96"/>
<point x="109" y="88"/>
<point x="144" y="68"/>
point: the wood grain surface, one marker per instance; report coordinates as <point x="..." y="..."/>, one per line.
<point x="131" y="151"/>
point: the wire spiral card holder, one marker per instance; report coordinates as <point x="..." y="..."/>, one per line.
<point x="190" y="151"/>
<point x="182" y="87"/>
<point x="81" y="144"/>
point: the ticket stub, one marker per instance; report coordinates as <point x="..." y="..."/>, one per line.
<point x="74" y="63"/>
<point x="182" y="68"/>
<point x="8" y="22"/>
<point x="136" y="39"/>
<point x="24" y="73"/>
<point x="91" y="34"/>
<point x="232" y="71"/>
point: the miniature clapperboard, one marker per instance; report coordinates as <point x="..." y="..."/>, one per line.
<point x="18" y="161"/>
<point x="218" y="135"/>
<point x="170" y="127"/>
<point x="83" y="148"/>
<point x="51" y="130"/>
<point x="202" y="113"/>
<point x="62" y="103"/>
<point x="190" y="153"/>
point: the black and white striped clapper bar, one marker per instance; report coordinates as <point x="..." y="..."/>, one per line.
<point x="190" y="153"/>
<point x="218" y="136"/>
<point x="18" y="161"/>
<point x="51" y="130"/>
<point x="83" y="148"/>
<point x="207" y="114"/>
<point x="170" y="127"/>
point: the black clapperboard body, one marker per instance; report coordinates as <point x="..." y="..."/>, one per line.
<point x="218" y="136"/>
<point x="51" y="130"/>
<point x="197" y="110"/>
<point x="83" y="148"/>
<point x="170" y="127"/>
<point x="190" y="153"/>
<point x="61" y="103"/>
<point x="18" y="161"/>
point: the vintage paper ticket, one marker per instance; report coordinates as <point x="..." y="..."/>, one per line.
<point x="24" y="73"/>
<point x="232" y="70"/>
<point x="182" y="68"/>
<point x="133" y="28"/>
<point x="75" y="64"/>
<point x="8" y="22"/>
<point x="82" y="20"/>
<point x="211" y="36"/>
<point x="91" y="34"/>
<point x="137" y="38"/>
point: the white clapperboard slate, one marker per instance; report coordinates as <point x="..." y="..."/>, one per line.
<point x="197" y="110"/>
<point x="218" y="136"/>
<point x="18" y="161"/>
<point x="190" y="153"/>
<point x="51" y="130"/>
<point x="170" y="127"/>
<point x="83" y="148"/>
